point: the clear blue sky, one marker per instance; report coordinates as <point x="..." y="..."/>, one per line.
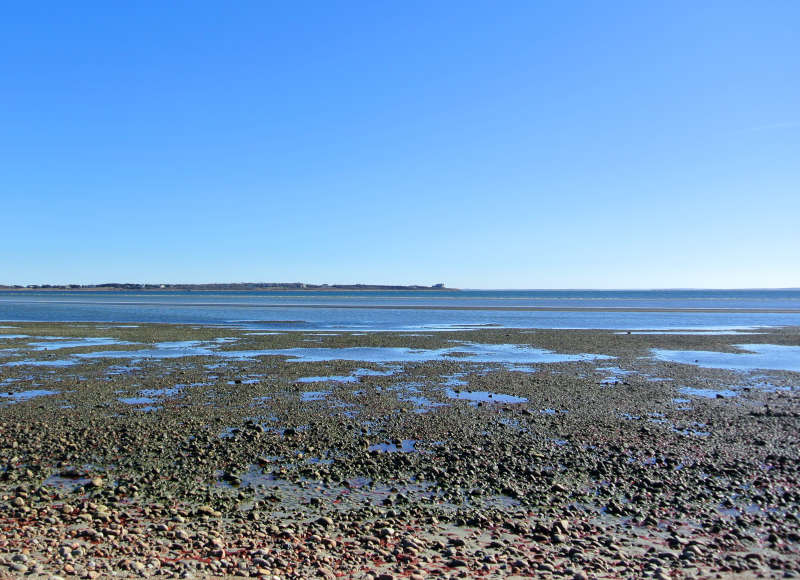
<point x="482" y="144"/>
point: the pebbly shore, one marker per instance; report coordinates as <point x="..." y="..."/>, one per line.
<point x="180" y="451"/>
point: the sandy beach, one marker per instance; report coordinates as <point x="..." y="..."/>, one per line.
<point x="184" y="451"/>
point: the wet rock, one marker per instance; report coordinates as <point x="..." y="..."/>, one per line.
<point x="325" y="521"/>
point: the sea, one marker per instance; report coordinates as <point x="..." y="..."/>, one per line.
<point x="414" y="310"/>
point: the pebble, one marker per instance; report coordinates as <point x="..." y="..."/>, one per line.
<point x="519" y="502"/>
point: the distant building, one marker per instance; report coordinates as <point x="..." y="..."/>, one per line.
<point x="440" y="285"/>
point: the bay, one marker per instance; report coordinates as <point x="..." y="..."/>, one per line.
<point x="385" y="310"/>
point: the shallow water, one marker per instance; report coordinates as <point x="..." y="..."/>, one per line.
<point x="484" y="397"/>
<point x="137" y="400"/>
<point x="160" y="350"/>
<point x="165" y="392"/>
<point x="365" y="311"/>
<point x="614" y="370"/>
<point x="331" y="379"/>
<point x="405" y="446"/>
<point x="59" y="343"/>
<point x="707" y="393"/>
<point x="26" y="395"/>
<point x="520" y="368"/>
<point x="314" y="395"/>
<point x="455" y="380"/>
<point x="707" y="332"/>
<point x="468" y="352"/>
<point x="66" y="482"/>
<point x="421" y="404"/>
<point x="752" y="357"/>
<point x="40" y="363"/>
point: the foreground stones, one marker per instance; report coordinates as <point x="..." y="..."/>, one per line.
<point x="235" y="475"/>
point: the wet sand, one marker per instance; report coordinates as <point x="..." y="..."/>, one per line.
<point x="199" y="456"/>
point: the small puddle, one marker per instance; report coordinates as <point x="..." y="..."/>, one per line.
<point x="66" y="483"/>
<point x="165" y="392"/>
<point x="709" y="332"/>
<point x="137" y="400"/>
<point x="422" y="404"/>
<point x="330" y="379"/>
<point x="707" y="393"/>
<point x="353" y="377"/>
<point x="614" y="370"/>
<point x="314" y="395"/>
<point x="694" y="429"/>
<point x="455" y="380"/>
<point x="404" y="446"/>
<point x="66" y="342"/>
<point x="520" y="368"/>
<point x="120" y="370"/>
<point x="26" y="395"/>
<point x="40" y="363"/>
<point x="484" y="397"/>
<point x="177" y="349"/>
<point x="751" y="357"/>
<point x="250" y="381"/>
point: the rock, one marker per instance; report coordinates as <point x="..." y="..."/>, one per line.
<point x="456" y="563"/>
<point x="457" y="542"/>
<point x="385" y="532"/>
<point x="207" y="510"/>
<point x="325" y="522"/>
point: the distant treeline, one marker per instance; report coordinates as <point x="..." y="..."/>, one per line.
<point x="220" y="286"/>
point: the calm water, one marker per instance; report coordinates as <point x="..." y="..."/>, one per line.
<point x="409" y="310"/>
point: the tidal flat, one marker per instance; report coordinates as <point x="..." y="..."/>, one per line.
<point x="195" y="451"/>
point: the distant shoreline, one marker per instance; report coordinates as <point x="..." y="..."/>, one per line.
<point x="242" y="287"/>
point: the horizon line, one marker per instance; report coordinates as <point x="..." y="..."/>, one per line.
<point x="167" y="285"/>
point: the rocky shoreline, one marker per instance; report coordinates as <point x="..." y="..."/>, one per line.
<point x="184" y="451"/>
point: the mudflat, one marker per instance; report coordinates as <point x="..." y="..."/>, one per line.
<point x="195" y="451"/>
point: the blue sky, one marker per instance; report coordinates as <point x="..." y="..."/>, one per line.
<point x="481" y="144"/>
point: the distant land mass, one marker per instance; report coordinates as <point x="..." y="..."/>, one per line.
<point x="221" y="286"/>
